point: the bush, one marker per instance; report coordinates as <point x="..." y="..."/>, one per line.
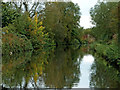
<point x="13" y="43"/>
<point x="38" y="36"/>
<point x="110" y="51"/>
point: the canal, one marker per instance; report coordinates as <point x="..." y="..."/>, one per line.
<point x="59" y="67"/>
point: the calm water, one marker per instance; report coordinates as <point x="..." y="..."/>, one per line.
<point x="62" y="67"/>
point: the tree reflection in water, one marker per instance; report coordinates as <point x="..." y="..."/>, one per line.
<point x="104" y="75"/>
<point x="63" y="69"/>
<point x="44" y="68"/>
<point x="13" y="69"/>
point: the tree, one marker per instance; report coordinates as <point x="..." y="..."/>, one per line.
<point x="12" y="10"/>
<point x="60" y="20"/>
<point x="8" y="14"/>
<point x="26" y="6"/>
<point x="102" y="16"/>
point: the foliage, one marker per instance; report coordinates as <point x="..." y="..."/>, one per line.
<point x="31" y="28"/>
<point x="39" y="27"/>
<point x="61" y="21"/>
<point x="8" y="14"/>
<point x="22" y="25"/>
<point x="104" y="17"/>
<point x="109" y="51"/>
<point x="13" y="43"/>
<point x="38" y="36"/>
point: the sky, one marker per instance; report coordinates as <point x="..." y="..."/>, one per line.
<point x="85" y="6"/>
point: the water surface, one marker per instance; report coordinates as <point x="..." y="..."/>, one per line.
<point x="62" y="67"/>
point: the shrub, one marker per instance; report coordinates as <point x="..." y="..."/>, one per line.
<point x="38" y="37"/>
<point x="110" y="51"/>
<point x="12" y="42"/>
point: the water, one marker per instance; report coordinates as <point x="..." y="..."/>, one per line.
<point x="85" y="66"/>
<point x="62" y="67"/>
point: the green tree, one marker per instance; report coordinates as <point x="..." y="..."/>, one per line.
<point x="103" y="16"/>
<point x="8" y="14"/>
<point x="62" y="21"/>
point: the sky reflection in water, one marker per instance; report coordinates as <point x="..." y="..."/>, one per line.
<point x="85" y="67"/>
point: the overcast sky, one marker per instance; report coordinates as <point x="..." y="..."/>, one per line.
<point x="85" y="6"/>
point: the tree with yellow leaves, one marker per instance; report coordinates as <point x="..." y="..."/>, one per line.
<point x="36" y="30"/>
